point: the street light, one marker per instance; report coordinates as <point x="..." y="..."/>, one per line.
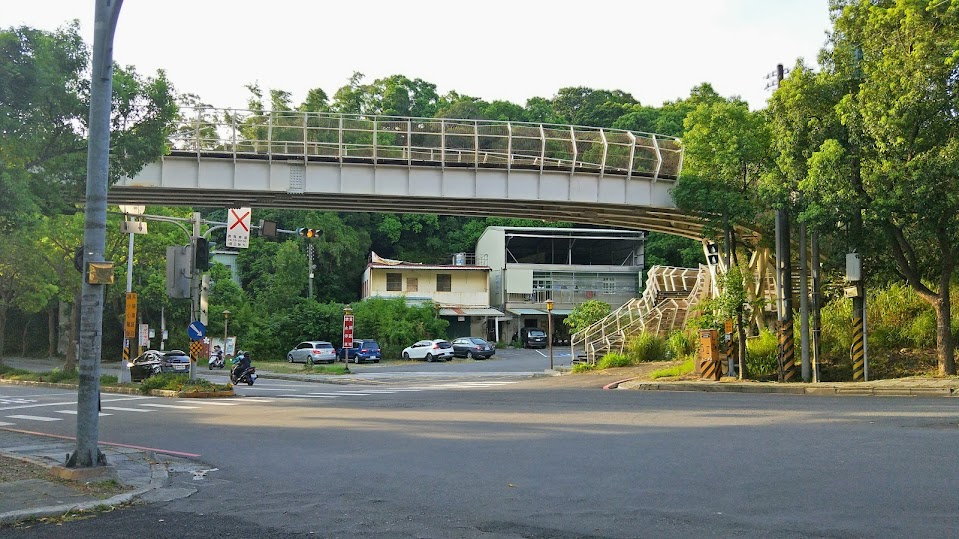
<point x="226" y="321"/>
<point x="549" y="333"/>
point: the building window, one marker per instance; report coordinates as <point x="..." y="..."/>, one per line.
<point x="609" y="285"/>
<point x="394" y="282"/>
<point x="444" y="282"/>
<point x="412" y="284"/>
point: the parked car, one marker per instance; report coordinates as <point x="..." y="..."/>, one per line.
<point x="430" y="350"/>
<point x="311" y="352"/>
<point x="363" y="350"/>
<point x="533" y="338"/>
<point x="154" y="362"/>
<point x="473" y="348"/>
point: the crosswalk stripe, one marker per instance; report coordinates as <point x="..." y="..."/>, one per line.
<point x="342" y="394"/>
<point x="35" y="417"/>
<point x="121" y="409"/>
<point x="3" y="424"/>
<point x="217" y="403"/>
<point x="74" y="412"/>
<point x="258" y="399"/>
<point x="309" y="396"/>
<point x="176" y="406"/>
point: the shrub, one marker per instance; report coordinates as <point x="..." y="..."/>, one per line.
<point x="679" y="345"/>
<point x="761" y="354"/>
<point x="585" y="314"/>
<point x="676" y="370"/>
<point x="646" y="347"/>
<point x="614" y="359"/>
<point x="583" y="367"/>
<point x="167" y="381"/>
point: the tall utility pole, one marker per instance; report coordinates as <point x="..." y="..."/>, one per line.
<point x="87" y="453"/>
<point x="787" y="359"/>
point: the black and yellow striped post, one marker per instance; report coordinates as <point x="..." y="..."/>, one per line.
<point x="126" y="351"/>
<point x="857" y="350"/>
<point x="787" y="351"/>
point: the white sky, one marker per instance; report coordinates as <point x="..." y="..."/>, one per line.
<point x="656" y="50"/>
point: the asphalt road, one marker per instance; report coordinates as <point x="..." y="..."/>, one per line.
<point x="532" y="459"/>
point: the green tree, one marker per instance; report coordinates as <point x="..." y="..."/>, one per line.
<point x="893" y="174"/>
<point x="585" y="314"/>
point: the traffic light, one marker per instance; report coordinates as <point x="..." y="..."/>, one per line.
<point x="202" y="254"/>
<point x="308" y="232"/>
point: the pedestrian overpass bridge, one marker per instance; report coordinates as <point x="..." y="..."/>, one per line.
<point x="477" y="168"/>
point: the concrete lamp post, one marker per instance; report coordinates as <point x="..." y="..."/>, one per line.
<point x="549" y="332"/>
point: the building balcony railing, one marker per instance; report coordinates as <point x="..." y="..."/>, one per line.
<point x="574" y="297"/>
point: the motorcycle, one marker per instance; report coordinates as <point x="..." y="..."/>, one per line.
<point x="216" y="361"/>
<point x="242" y="372"/>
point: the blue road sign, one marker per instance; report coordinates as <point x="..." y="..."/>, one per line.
<point x="196" y="330"/>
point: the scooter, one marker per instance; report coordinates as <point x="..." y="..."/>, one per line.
<point x="239" y="373"/>
<point x="216" y="361"/>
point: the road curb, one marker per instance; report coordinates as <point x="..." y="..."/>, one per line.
<point x="727" y="387"/>
<point x="126" y="390"/>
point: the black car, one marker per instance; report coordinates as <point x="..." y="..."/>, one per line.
<point x="533" y="338"/>
<point x="154" y="362"/>
<point x="473" y="348"/>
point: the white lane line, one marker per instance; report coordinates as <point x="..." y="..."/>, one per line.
<point x="74" y="412"/>
<point x="342" y="393"/>
<point x="258" y="399"/>
<point x="272" y="388"/>
<point x="35" y="417"/>
<point x="68" y="403"/>
<point x="175" y="406"/>
<point x="3" y="424"/>
<point x="217" y="403"/>
<point x="126" y="399"/>
<point x="309" y="396"/>
<point x="121" y="409"/>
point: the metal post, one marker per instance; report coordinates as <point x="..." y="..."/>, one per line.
<point x="309" y="258"/>
<point x="195" y="286"/>
<point x="124" y="375"/>
<point x="804" y="305"/>
<point x="226" y="322"/>
<point x="549" y="327"/>
<point x="816" y="305"/>
<point x="87" y="453"/>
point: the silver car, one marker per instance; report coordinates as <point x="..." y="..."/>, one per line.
<point x="311" y="352"/>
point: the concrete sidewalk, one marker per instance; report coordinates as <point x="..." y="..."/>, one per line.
<point x="144" y="473"/>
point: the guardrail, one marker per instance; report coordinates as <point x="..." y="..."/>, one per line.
<point x="426" y="142"/>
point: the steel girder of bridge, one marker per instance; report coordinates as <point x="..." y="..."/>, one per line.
<point x="320" y="161"/>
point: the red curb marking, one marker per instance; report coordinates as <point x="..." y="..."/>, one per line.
<point x="115" y="444"/>
<point x="614" y="385"/>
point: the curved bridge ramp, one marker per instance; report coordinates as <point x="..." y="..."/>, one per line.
<point x="671" y="295"/>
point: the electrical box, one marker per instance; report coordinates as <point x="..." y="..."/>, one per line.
<point x="100" y="272"/>
<point x="709" y="359"/>
<point x="853" y="267"/>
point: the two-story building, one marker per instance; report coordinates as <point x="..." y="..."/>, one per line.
<point x="529" y="265"/>
<point x="460" y="290"/>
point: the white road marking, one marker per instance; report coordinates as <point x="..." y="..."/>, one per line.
<point x="35" y="417"/>
<point x="176" y="406"/>
<point x="2" y="424"/>
<point x="273" y="388"/>
<point x="74" y="412"/>
<point x="68" y="403"/>
<point x="309" y="396"/>
<point x="212" y="403"/>
<point x="342" y="394"/>
<point x="121" y="409"/>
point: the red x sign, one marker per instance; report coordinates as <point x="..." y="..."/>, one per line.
<point x="238" y="228"/>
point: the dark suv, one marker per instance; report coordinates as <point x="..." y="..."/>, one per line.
<point x="533" y="338"/>
<point x="363" y="350"/>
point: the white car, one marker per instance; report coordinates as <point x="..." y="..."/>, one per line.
<point x="311" y="352"/>
<point x="430" y="350"/>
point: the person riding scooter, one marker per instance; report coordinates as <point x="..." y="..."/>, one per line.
<point x="241" y="363"/>
<point x="216" y="358"/>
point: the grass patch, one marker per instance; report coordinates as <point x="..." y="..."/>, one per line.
<point x="56" y="376"/>
<point x="761" y="352"/>
<point x="169" y="381"/>
<point x="613" y="360"/>
<point x="647" y="347"/>
<point x="335" y="368"/>
<point x="583" y="367"/>
<point x="685" y="367"/>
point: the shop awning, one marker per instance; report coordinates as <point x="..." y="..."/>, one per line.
<point x="470" y="311"/>
<point x="562" y="312"/>
<point x="526" y="311"/>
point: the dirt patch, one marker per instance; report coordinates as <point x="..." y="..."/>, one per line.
<point x="17" y="470"/>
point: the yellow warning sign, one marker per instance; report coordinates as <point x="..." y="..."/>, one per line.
<point x="130" y="325"/>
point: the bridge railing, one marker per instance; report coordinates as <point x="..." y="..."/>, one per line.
<point x="427" y="141"/>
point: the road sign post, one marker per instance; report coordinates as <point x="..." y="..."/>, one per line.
<point x="347" y="332"/>
<point x="196" y="330"/>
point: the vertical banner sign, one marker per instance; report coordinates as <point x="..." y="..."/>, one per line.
<point x="130" y="325"/>
<point x="144" y="334"/>
<point x="347" y="331"/>
<point x="238" y="228"/>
